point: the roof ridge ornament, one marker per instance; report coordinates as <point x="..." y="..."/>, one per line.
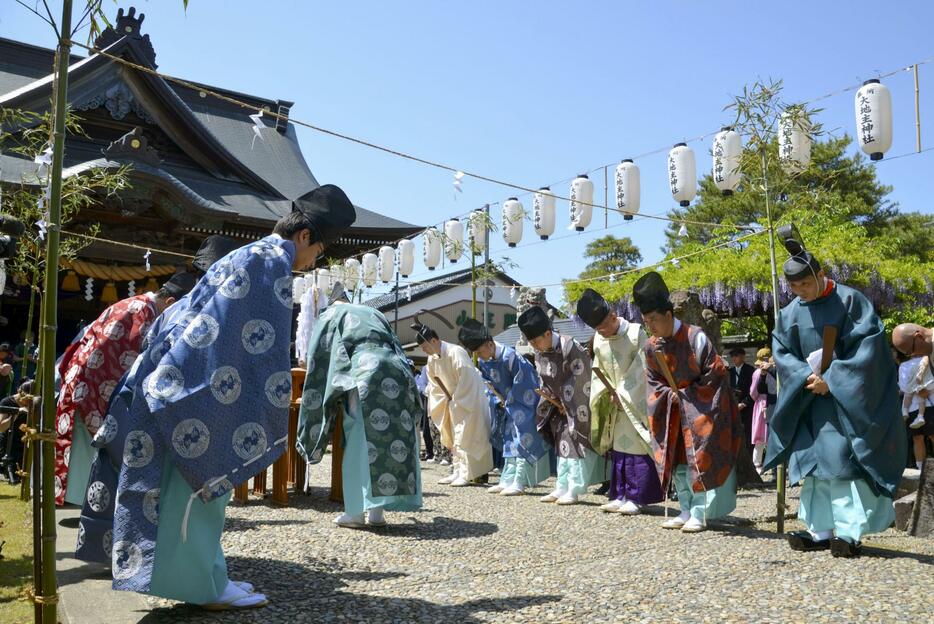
<point x="133" y="145"/>
<point x="127" y="25"/>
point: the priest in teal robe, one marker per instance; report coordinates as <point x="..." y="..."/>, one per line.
<point x="360" y="381"/>
<point x="837" y="421"/>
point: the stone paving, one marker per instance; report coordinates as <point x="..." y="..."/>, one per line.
<point x="470" y="556"/>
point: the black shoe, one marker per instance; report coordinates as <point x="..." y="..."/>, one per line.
<point x="603" y="489"/>
<point x="841" y="548"/>
<point x="802" y="541"/>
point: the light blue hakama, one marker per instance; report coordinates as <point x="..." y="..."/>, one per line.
<point x="80" y="457"/>
<point x="576" y="474"/>
<point x="848" y="507"/>
<point x="718" y="502"/>
<point x="519" y="471"/>
<point x="192" y="571"/>
<point x="355" y="474"/>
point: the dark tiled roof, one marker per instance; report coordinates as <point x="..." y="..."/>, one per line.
<point x="424" y="289"/>
<point x="566" y="327"/>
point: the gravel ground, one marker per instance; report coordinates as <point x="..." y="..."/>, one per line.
<point x="469" y="556"/>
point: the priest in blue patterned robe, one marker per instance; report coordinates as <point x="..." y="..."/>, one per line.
<point x="204" y="407"/>
<point x="512" y="382"/>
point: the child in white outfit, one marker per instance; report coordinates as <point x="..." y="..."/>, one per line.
<point x="920" y="378"/>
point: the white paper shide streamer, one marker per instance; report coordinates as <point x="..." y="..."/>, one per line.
<point x="727" y="151"/>
<point x="543" y="212"/>
<point x="513" y="215"/>
<point x="581" y="206"/>
<point x="627" y="189"/>
<point x="682" y="174"/>
<point x="874" y="119"/>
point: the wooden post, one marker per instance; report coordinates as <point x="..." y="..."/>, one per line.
<point x="280" y="473"/>
<point x="242" y="492"/>
<point x="337" y="459"/>
<point x="296" y="463"/>
<point x="259" y="484"/>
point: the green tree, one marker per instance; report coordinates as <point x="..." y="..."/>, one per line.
<point x="609" y="254"/>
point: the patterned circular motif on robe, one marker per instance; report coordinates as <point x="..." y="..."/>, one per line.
<point x="249" y="441"/>
<point x="279" y="389"/>
<point x="96" y="359"/>
<point x="127" y="560"/>
<point x="64" y="422"/>
<point x="341" y="352"/>
<point x="213" y="488"/>
<point x="127" y="358"/>
<point x="368" y="362"/>
<point x="495" y="377"/>
<point x="363" y="389"/>
<point x="351" y="322"/>
<point x="568" y="392"/>
<point x="226" y="384"/>
<point x="237" y="285"/>
<point x="106" y="389"/>
<point x="283" y="290"/>
<point x="564" y="448"/>
<point x="66" y="456"/>
<point x="410" y="481"/>
<point x="583" y="413"/>
<point x="72" y="373"/>
<point x="80" y="392"/>
<point x="529" y="397"/>
<point x="266" y="251"/>
<point x="165" y="382"/>
<point x="398" y="451"/>
<point x="107" y="542"/>
<point x="315" y="432"/>
<point x="151" y="505"/>
<point x="80" y="540"/>
<point x="342" y="381"/>
<point x="94" y="420"/>
<point x="387" y="484"/>
<point x="405" y="419"/>
<point x="138" y="449"/>
<point x="201" y="332"/>
<point x="58" y="486"/>
<point x="519" y="415"/>
<point x="115" y="330"/>
<point x="98" y="496"/>
<point x="390" y="388"/>
<point x="379" y="419"/>
<point x="136" y="306"/>
<point x="191" y="438"/>
<point x="577" y="366"/>
<point x="258" y="336"/>
<point x="586" y="389"/>
<point x="220" y="272"/>
<point x="311" y="399"/>
<point x="526" y="440"/>
<point x="372" y="452"/>
<point x="158" y="350"/>
<point x="107" y="431"/>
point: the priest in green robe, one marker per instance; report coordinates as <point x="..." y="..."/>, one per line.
<point x="837" y="422"/>
<point x="360" y="381"/>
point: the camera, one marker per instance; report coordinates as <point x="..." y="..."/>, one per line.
<point x="10" y="231"/>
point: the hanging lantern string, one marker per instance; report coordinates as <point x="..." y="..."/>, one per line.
<point x="430" y="163"/>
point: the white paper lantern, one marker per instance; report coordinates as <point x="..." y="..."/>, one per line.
<point x="477" y="222"/>
<point x="454" y="240"/>
<point x="370" y="267"/>
<point x="682" y="174"/>
<point x="794" y="141"/>
<point x="351" y="273"/>
<point x="874" y="118"/>
<point x="325" y="280"/>
<point x="727" y="151"/>
<point x="543" y="212"/>
<point x="298" y="288"/>
<point x="513" y="215"/>
<point x="627" y="189"/>
<point x="407" y="256"/>
<point x="432" y="249"/>
<point x="581" y="207"/>
<point x="387" y="259"/>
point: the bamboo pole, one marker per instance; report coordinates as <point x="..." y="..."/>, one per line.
<point x="49" y="597"/>
<point x="780" y="470"/>
<point x="25" y="491"/>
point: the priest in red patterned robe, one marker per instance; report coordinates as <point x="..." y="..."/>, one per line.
<point x="90" y="370"/>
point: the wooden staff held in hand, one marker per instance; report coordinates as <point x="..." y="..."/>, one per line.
<point x="552" y="401"/>
<point x="606" y="382"/>
<point x="446" y="427"/>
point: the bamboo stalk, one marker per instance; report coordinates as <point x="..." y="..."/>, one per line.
<point x="49" y="595"/>
<point x="917" y="111"/>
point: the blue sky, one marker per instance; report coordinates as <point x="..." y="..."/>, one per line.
<point x="535" y="92"/>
